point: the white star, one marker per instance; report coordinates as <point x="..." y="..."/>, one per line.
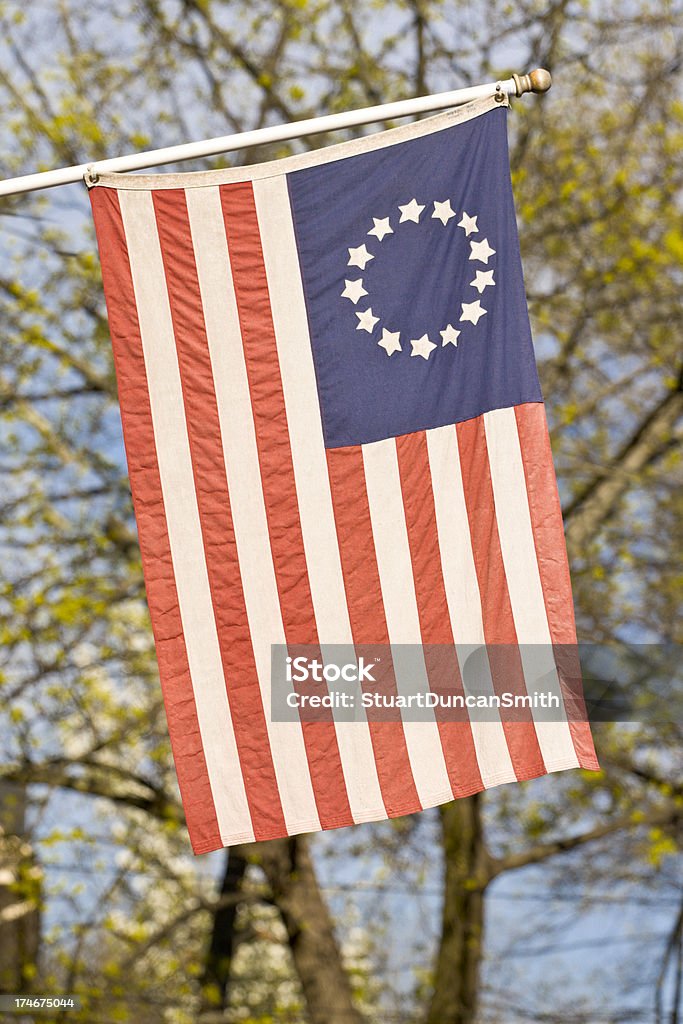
<point x="389" y="341"/>
<point x="450" y="336"/>
<point x="359" y="257"/>
<point x="353" y="290"/>
<point x="422" y="347"/>
<point x="471" y="311"/>
<point x="483" y="279"/>
<point x="443" y="211"/>
<point x="381" y="228"/>
<point x="366" y="321"/>
<point x="481" y="251"/>
<point x="468" y="223"/>
<point x="411" y="211"/>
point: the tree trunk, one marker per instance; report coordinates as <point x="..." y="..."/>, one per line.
<point x="289" y="869"/>
<point x="216" y="980"/>
<point x="20" y="894"/>
<point x="466" y="874"/>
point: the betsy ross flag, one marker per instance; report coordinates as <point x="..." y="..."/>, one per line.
<point x="335" y="436"/>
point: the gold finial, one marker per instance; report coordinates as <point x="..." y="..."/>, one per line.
<point x="539" y="80"/>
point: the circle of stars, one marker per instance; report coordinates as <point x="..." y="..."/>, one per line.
<point x="471" y="312"/>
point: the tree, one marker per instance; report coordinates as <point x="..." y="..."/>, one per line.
<point x="598" y="190"/>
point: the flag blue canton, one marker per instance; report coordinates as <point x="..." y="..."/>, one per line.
<point x="413" y="283"/>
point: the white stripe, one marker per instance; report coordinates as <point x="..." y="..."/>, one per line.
<point x="182" y="515"/>
<point x="524" y="580"/>
<point x="311" y="475"/>
<point x="390" y="535"/>
<point x="246" y="494"/>
<point x="462" y="594"/>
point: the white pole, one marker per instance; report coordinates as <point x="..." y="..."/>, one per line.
<point x="536" y="81"/>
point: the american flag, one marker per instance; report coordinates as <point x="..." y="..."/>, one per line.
<point x="335" y="436"/>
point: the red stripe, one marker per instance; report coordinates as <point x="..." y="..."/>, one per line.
<point x="138" y="432"/>
<point x="553" y="566"/>
<point x="499" y="627"/>
<point x="368" y="624"/>
<point x="279" y="488"/>
<point x="213" y="502"/>
<point x="437" y="636"/>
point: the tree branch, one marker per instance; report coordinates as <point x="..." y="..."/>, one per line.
<point x="94" y="779"/>
<point x="542" y="851"/>
<point x="587" y="511"/>
<point x="241" y="56"/>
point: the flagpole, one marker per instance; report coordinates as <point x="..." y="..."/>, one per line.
<point x="536" y="81"/>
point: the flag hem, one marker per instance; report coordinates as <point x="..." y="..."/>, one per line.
<point x="585" y="763"/>
<point x="326" y="154"/>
